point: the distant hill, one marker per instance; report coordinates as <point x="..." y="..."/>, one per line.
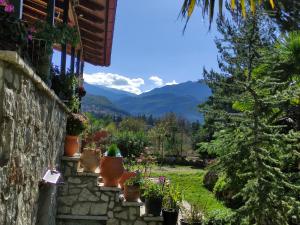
<point x="182" y="99"/>
<point x="110" y="93"/>
<point x="100" y="105"/>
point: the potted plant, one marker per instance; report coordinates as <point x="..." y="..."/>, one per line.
<point x="153" y="194"/>
<point x="192" y="216"/>
<point x="128" y="172"/>
<point x="111" y="166"/>
<point x="76" y="124"/>
<point x="132" y="189"/>
<point x="171" y="203"/>
<point x="90" y="158"/>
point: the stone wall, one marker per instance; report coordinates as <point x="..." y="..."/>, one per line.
<point x="32" y="130"/>
<point x="83" y="200"/>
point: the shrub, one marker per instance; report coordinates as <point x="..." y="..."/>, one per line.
<point x="152" y="190"/>
<point x="131" y="143"/>
<point x="219" y="217"/>
<point x="76" y="124"/>
<point x="210" y="179"/>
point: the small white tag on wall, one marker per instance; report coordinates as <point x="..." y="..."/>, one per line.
<point x="51" y="176"/>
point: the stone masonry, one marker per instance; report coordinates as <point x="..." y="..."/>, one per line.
<point x="32" y="131"/>
<point x="82" y="200"/>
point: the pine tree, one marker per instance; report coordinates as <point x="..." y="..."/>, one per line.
<point x="250" y="98"/>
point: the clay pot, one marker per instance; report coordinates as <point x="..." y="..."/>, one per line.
<point x="125" y="176"/>
<point x="132" y="193"/>
<point x="71" y="145"/>
<point x="111" y="169"/>
<point x="89" y="160"/>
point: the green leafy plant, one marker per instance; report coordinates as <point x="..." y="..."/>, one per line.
<point x="152" y="190"/>
<point x="172" y="197"/>
<point x="193" y="215"/>
<point x="76" y="124"/>
<point x="137" y="180"/>
<point x="113" y="150"/>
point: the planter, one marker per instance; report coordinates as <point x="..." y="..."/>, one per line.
<point x="111" y="169"/>
<point x="89" y="160"/>
<point x="71" y="145"/>
<point x="153" y="206"/>
<point x="125" y="176"/>
<point x="182" y="222"/>
<point x="170" y="216"/>
<point x="132" y="193"/>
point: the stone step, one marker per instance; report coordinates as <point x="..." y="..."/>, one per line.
<point x="80" y="220"/>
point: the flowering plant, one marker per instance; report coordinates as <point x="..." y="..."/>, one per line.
<point x="14" y="35"/>
<point x="76" y="124"/>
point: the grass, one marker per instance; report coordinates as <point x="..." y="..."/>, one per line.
<point x="189" y="181"/>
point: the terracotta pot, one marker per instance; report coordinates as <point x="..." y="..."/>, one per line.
<point x="125" y="176"/>
<point x="71" y="145"/>
<point x="132" y="193"/>
<point x="89" y="160"/>
<point x="111" y="169"/>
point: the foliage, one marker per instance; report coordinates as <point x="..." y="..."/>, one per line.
<point x="189" y="183"/>
<point x="74" y="104"/>
<point x="255" y="125"/>
<point x="130" y="124"/>
<point x="218" y="217"/>
<point x="153" y="190"/>
<point x="131" y="143"/>
<point x="172" y="197"/>
<point x="193" y="215"/>
<point x="113" y="151"/>
<point x="137" y="180"/>
<point x="14" y="34"/>
<point x="76" y="124"/>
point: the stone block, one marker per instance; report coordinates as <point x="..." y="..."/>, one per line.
<point x="139" y="222"/>
<point x="104" y="197"/>
<point x="86" y="195"/>
<point x="98" y="208"/>
<point x="122" y="215"/>
<point x="67" y="200"/>
<point x="81" y="208"/>
<point x="74" y="180"/>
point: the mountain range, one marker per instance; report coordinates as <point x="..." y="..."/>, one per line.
<point x="182" y="99"/>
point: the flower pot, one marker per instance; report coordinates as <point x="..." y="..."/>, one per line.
<point x="89" y="160"/>
<point x="183" y="222"/>
<point x="125" y="176"/>
<point x="170" y="216"/>
<point x="111" y="169"/>
<point x="153" y="206"/>
<point x="132" y="193"/>
<point x="71" y="145"/>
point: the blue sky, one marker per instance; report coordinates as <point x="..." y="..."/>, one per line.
<point x="149" y="49"/>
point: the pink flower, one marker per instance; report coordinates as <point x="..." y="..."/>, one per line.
<point x="30" y="37"/>
<point x="161" y="179"/>
<point x="32" y="30"/>
<point x="2" y="2"/>
<point x="9" y="8"/>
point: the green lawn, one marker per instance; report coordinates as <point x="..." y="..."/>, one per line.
<point x="190" y="182"/>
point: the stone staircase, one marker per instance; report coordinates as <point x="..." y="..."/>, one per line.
<point x="83" y="200"/>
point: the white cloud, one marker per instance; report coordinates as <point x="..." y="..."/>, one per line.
<point x="116" y="81"/>
<point x="172" y="83"/>
<point x="157" y="81"/>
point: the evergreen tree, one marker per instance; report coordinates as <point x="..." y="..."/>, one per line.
<point x="250" y="98"/>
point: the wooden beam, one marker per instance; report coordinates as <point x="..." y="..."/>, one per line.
<point x="91" y="14"/>
<point x="18" y="8"/>
<point x="78" y="62"/>
<point x="51" y="12"/>
<point x="72" y="64"/>
<point x="93" y="44"/>
<point x="92" y="25"/>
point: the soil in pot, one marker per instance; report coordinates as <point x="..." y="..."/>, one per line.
<point x="125" y="176"/>
<point x="182" y="222"/>
<point x="132" y="193"/>
<point x="111" y="169"/>
<point x="71" y="145"/>
<point x="89" y="160"/>
<point x="170" y="216"/>
<point x="153" y="206"/>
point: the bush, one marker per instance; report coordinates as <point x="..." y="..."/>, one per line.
<point x="76" y="124"/>
<point x="131" y="143"/>
<point x="219" y="217"/>
<point x="210" y="179"/>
